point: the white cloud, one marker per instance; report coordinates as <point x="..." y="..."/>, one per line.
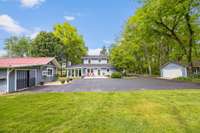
<point x="31" y="3"/>
<point x="107" y="42"/>
<point x="94" y="51"/>
<point x="3" y="52"/>
<point x="34" y="32"/>
<point x="10" y="25"/>
<point x="69" y="18"/>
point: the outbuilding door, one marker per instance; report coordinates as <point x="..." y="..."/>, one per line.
<point x="25" y="79"/>
<point x="172" y="73"/>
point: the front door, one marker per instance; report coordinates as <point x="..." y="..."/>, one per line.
<point x="99" y="72"/>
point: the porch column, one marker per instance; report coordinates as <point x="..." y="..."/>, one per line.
<point x="81" y="72"/>
<point x="67" y="73"/>
<point x="74" y="72"/>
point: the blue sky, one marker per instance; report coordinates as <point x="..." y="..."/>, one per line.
<point x="99" y="21"/>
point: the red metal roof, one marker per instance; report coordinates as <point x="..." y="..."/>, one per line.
<point x="24" y="61"/>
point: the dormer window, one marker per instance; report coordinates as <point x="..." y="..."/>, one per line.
<point x="89" y="61"/>
<point x="99" y="60"/>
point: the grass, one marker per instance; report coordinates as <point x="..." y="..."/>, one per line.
<point x="175" y="111"/>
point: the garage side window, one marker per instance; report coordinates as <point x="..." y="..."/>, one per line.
<point x="50" y="72"/>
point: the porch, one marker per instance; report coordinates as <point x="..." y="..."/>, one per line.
<point x="84" y="72"/>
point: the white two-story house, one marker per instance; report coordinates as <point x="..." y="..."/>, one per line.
<point x="92" y="66"/>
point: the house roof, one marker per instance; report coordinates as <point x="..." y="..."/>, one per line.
<point x="26" y="62"/>
<point x="95" y="57"/>
<point x="196" y="64"/>
<point x="164" y="65"/>
<point x="92" y="65"/>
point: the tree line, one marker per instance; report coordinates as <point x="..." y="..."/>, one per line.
<point x="64" y="43"/>
<point x="160" y="31"/>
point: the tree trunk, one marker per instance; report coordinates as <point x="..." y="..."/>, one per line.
<point x="189" y="57"/>
<point x="148" y="60"/>
<point x="61" y="74"/>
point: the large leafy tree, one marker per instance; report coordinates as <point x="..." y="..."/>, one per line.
<point x="47" y="45"/>
<point x="73" y="44"/>
<point x="18" y="46"/>
<point x="160" y="31"/>
<point x="177" y="20"/>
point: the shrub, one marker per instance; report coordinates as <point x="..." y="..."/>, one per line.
<point x="68" y="80"/>
<point x="41" y="83"/>
<point x="116" y="75"/>
<point x="195" y="76"/>
<point x="62" y="80"/>
<point x="183" y="79"/>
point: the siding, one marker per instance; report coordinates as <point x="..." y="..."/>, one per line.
<point x="3" y="81"/>
<point x="95" y="61"/>
<point x="3" y="86"/>
<point x="173" y="71"/>
<point x="39" y="75"/>
<point x="46" y="78"/>
<point x="3" y="73"/>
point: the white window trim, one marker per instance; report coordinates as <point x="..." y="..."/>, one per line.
<point x="48" y="73"/>
<point x="44" y="73"/>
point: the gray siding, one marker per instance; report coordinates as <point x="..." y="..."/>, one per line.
<point x="47" y="78"/>
<point x="12" y="81"/>
<point x="3" y="86"/>
<point x="3" y="81"/>
<point x="3" y="73"/>
<point x="39" y="76"/>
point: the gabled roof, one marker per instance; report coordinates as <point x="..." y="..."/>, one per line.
<point x="196" y="64"/>
<point x="164" y="65"/>
<point x="26" y="62"/>
<point x="95" y="57"/>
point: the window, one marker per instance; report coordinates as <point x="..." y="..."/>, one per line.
<point x="44" y="73"/>
<point x="50" y="71"/>
<point x="99" y="60"/>
<point x="108" y="70"/>
<point x="89" y="61"/>
<point x="99" y="72"/>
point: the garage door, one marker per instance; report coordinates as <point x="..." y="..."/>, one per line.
<point x="172" y="73"/>
<point x="25" y="79"/>
<point x="22" y="79"/>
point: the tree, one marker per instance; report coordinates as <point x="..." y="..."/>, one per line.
<point x="73" y="44"/>
<point x="104" y="51"/>
<point x="160" y="31"/>
<point x="18" y="46"/>
<point x="47" y="45"/>
<point x="176" y="20"/>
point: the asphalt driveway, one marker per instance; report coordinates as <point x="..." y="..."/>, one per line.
<point x="98" y="85"/>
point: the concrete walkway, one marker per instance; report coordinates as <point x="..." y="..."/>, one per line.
<point x="98" y="85"/>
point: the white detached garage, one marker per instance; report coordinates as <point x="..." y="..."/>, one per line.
<point x="173" y="70"/>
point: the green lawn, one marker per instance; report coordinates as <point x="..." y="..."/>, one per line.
<point x="117" y="112"/>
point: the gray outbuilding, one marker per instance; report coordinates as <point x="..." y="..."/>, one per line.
<point x="21" y="73"/>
